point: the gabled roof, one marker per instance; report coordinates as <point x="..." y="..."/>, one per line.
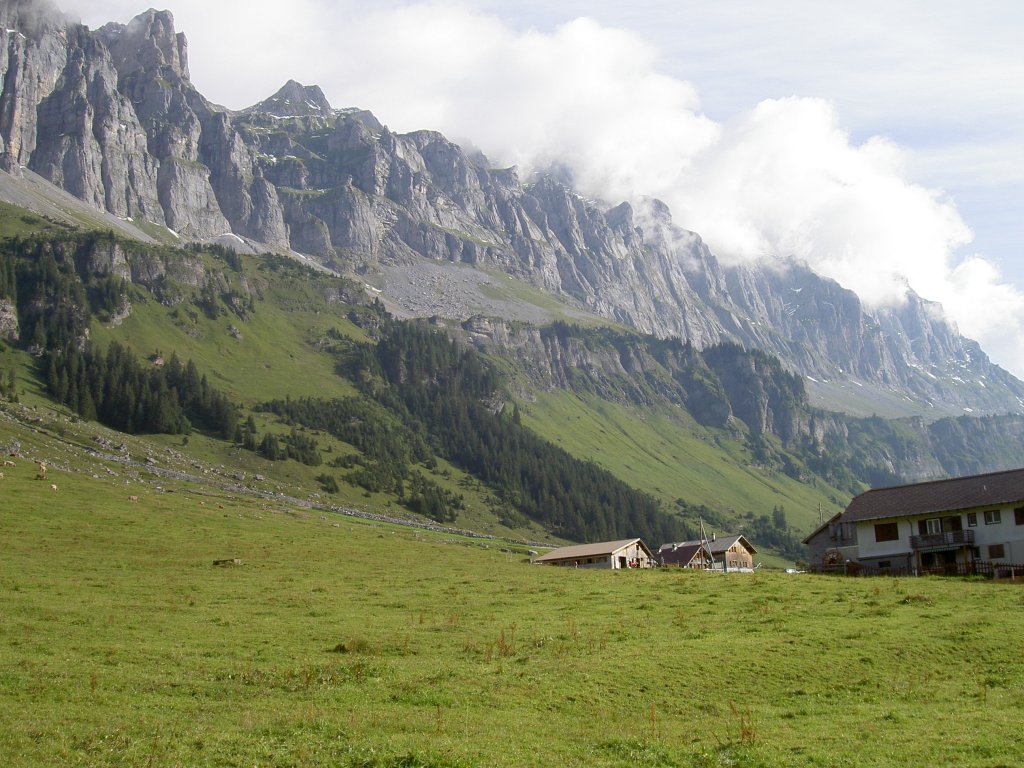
<point x="937" y="496"/>
<point x="720" y="544"/>
<point x="590" y="550"/>
<point x="822" y="527"/>
<point x="681" y="554"/>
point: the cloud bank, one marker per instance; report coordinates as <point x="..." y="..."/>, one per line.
<point x="782" y="179"/>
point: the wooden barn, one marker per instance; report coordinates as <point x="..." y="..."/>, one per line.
<point x="627" y="553"/>
<point x="696" y="556"/>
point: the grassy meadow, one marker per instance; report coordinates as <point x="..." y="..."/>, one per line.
<point x="337" y="642"/>
<point x="665" y="452"/>
<point x="330" y="640"/>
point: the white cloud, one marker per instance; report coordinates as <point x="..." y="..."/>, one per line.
<point x="781" y="179"/>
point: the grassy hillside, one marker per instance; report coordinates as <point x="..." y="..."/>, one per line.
<point x="278" y="350"/>
<point x="336" y="642"/>
<point x="330" y="638"/>
<point x="265" y="328"/>
<point x="672" y="456"/>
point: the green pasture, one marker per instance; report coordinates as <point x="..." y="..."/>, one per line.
<point x="336" y="642"/>
<point x="671" y="456"/>
<point x="275" y="352"/>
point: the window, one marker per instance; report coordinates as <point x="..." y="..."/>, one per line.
<point x="993" y="517"/>
<point x="996" y="551"/>
<point x="884" y="565"/>
<point x="972" y="519"/>
<point x="1018" y="516"/>
<point x="887" y="532"/>
<point x="934" y="525"/>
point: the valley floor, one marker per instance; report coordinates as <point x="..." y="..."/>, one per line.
<point x="335" y="642"/>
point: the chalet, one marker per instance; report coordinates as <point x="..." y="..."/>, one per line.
<point x="627" y="553"/>
<point x="728" y="553"/>
<point x="696" y="556"/>
<point x="941" y="525"/>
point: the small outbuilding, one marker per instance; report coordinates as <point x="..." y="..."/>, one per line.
<point x="626" y="553"/>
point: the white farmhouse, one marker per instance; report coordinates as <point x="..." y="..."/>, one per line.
<point x="961" y="525"/>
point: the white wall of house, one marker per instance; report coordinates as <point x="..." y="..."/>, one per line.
<point x="998" y="536"/>
<point x="870" y="548"/>
<point x="995" y="530"/>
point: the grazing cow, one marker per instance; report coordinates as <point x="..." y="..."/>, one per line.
<point x="53" y="487"/>
<point x="41" y="474"/>
<point x="1" y="475"/>
<point x="8" y="463"/>
<point x="133" y="498"/>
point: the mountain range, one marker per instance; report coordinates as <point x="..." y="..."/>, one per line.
<point x="111" y="116"/>
<point x="103" y="129"/>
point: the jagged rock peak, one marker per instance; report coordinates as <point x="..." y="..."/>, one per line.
<point x="294" y="98"/>
<point x="148" y="43"/>
<point x="364" y="116"/>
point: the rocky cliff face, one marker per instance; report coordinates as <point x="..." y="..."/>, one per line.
<point x="111" y="116"/>
<point x="748" y="394"/>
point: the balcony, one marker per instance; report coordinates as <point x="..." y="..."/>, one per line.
<point x="945" y="540"/>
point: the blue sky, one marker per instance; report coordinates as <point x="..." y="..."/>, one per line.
<point x="879" y="141"/>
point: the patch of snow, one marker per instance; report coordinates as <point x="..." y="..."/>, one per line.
<point x="371" y="289"/>
<point x="175" y="234"/>
<point x="858" y="383"/>
<point x="811" y="378"/>
<point x="233" y="235"/>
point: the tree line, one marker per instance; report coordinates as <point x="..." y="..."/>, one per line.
<point x="116" y="389"/>
<point x="451" y="394"/>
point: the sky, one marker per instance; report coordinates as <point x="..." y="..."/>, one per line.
<point x="880" y="142"/>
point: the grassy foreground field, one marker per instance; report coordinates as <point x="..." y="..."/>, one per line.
<point x="342" y="643"/>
